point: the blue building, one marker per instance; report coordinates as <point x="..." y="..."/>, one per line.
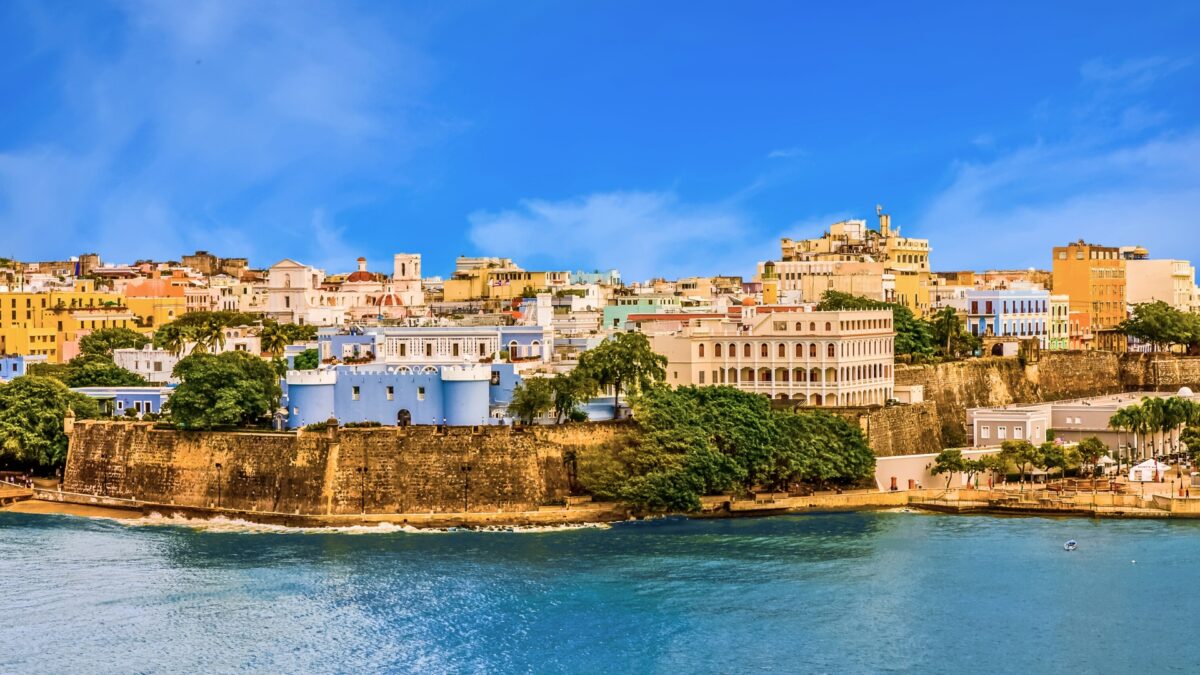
<point x="12" y="367"/>
<point x="433" y="345"/>
<point x="1018" y="314"/>
<point x="453" y="394"/>
<point x="118" y="401"/>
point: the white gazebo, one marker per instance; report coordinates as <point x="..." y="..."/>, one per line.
<point x="1107" y="464"/>
<point x="1149" y="471"/>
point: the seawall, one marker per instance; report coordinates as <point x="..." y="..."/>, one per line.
<point x="332" y="472"/>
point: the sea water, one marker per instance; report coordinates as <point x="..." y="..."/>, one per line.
<point x="834" y="593"/>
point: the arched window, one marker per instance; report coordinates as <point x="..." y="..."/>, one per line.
<point x="812" y="350"/>
<point x="799" y="350"/>
<point x="746" y="350"/>
<point x="828" y="326"/>
<point x="716" y="349"/>
<point x="782" y="350"/>
<point x="830" y="350"/>
<point x="732" y="349"/>
<point x="762" y="350"/>
<point x="812" y="326"/>
<point x="701" y="346"/>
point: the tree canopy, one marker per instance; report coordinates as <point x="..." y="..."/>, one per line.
<point x="697" y="441"/>
<point x="217" y="390"/>
<point x="1162" y="326"/>
<point x="32" y="410"/>
<point x="307" y="360"/>
<point x="102" y="342"/>
<point x="94" y="370"/>
<point x="626" y="363"/>
<point x="532" y="398"/>
<point x="914" y="336"/>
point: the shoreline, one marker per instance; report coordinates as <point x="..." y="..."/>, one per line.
<point x="948" y="502"/>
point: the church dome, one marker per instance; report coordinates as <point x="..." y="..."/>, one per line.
<point x="362" y="274"/>
<point x="390" y="300"/>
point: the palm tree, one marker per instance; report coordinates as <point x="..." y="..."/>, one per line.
<point x="1153" y="410"/>
<point x="171" y="338"/>
<point x="1122" y="422"/>
<point x="212" y="336"/>
<point x="273" y="339"/>
<point x="1175" y="415"/>
<point x="946" y="322"/>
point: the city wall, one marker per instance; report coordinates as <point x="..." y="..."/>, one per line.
<point x="332" y="472"/>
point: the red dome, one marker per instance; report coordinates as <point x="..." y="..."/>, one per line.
<point x="361" y="275"/>
<point x="390" y="300"/>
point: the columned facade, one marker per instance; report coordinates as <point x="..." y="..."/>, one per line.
<point x="815" y="358"/>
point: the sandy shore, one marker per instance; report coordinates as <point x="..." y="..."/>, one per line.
<point x="61" y="508"/>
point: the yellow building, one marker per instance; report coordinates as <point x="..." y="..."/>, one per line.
<point x="1094" y="279"/>
<point x="50" y="323"/>
<point x="905" y="259"/>
<point x="499" y="282"/>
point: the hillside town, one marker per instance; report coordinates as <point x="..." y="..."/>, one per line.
<point x="823" y="326"/>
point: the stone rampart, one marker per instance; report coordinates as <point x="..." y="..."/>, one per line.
<point x="413" y="470"/>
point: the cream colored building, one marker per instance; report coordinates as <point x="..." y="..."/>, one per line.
<point x="1060" y="322"/>
<point x="807" y="280"/>
<point x="905" y="258"/>
<point x="1169" y="281"/>
<point x="816" y="358"/>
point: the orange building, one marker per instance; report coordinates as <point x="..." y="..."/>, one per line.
<point x="1094" y="279"/>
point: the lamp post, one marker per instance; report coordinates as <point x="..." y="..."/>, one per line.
<point x="218" y="485"/>
<point x="466" y="472"/>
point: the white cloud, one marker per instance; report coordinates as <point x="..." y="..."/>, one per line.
<point x="210" y="119"/>
<point x="787" y="153"/>
<point x="644" y="234"/>
<point x="1010" y="211"/>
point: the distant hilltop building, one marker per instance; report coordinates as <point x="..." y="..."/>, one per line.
<point x="208" y="264"/>
<point x="851" y="257"/>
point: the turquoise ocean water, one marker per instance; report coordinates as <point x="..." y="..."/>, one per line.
<point x="835" y="593"/>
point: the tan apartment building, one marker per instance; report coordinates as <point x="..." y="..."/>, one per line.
<point x="1169" y="281"/>
<point x="808" y="280"/>
<point x="906" y="259"/>
<point x="814" y="358"/>
<point x="1094" y="279"/>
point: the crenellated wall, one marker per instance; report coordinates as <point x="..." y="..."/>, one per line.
<point x="411" y="470"/>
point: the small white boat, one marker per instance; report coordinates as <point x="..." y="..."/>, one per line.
<point x="1071" y="545"/>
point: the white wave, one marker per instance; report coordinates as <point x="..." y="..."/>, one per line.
<point x="238" y="525"/>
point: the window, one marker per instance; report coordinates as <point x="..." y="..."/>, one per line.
<point x="403" y="349"/>
<point x="780" y="325"/>
<point x="1001" y="432"/>
<point x="830" y="351"/>
<point x="295" y="411"/>
<point x="782" y="351"/>
<point x="716" y="349"/>
<point x="701" y="376"/>
<point x="420" y="393"/>
<point x="701" y="347"/>
<point x="391" y="393"/>
<point x="428" y="349"/>
<point x="454" y="349"/>
<point x="763" y="350"/>
<point x="828" y="326"/>
<point x="354" y="393"/>
<point x="1018" y="432"/>
<point x="158" y="366"/>
<point x="812" y="350"/>
<point x="746" y="350"/>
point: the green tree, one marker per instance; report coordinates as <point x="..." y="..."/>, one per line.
<point x="949" y="462"/>
<point x="94" y="370"/>
<point x="1020" y="453"/>
<point x="32" y="410"/>
<point x="102" y="342"/>
<point x="273" y="339"/>
<point x="209" y="337"/>
<point x="217" y="390"/>
<point x="914" y="337"/>
<point x="224" y="318"/>
<point x="626" y="363"/>
<point x="570" y="390"/>
<point x="173" y="337"/>
<point x="532" y="398"/>
<point x="1190" y="437"/>
<point x="308" y="359"/>
<point x="1091" y="449"/>
<point x="1162" y="326"/>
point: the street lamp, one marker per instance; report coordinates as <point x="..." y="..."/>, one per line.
<point x="218" y="485"/>
<point x="466" y="472"/>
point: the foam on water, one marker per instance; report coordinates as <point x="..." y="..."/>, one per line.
<point x="238" y="525"/>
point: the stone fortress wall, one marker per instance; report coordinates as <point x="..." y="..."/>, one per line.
<point x="410" y="470"/>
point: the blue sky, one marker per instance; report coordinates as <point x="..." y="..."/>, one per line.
<point x="664" y="138"/>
